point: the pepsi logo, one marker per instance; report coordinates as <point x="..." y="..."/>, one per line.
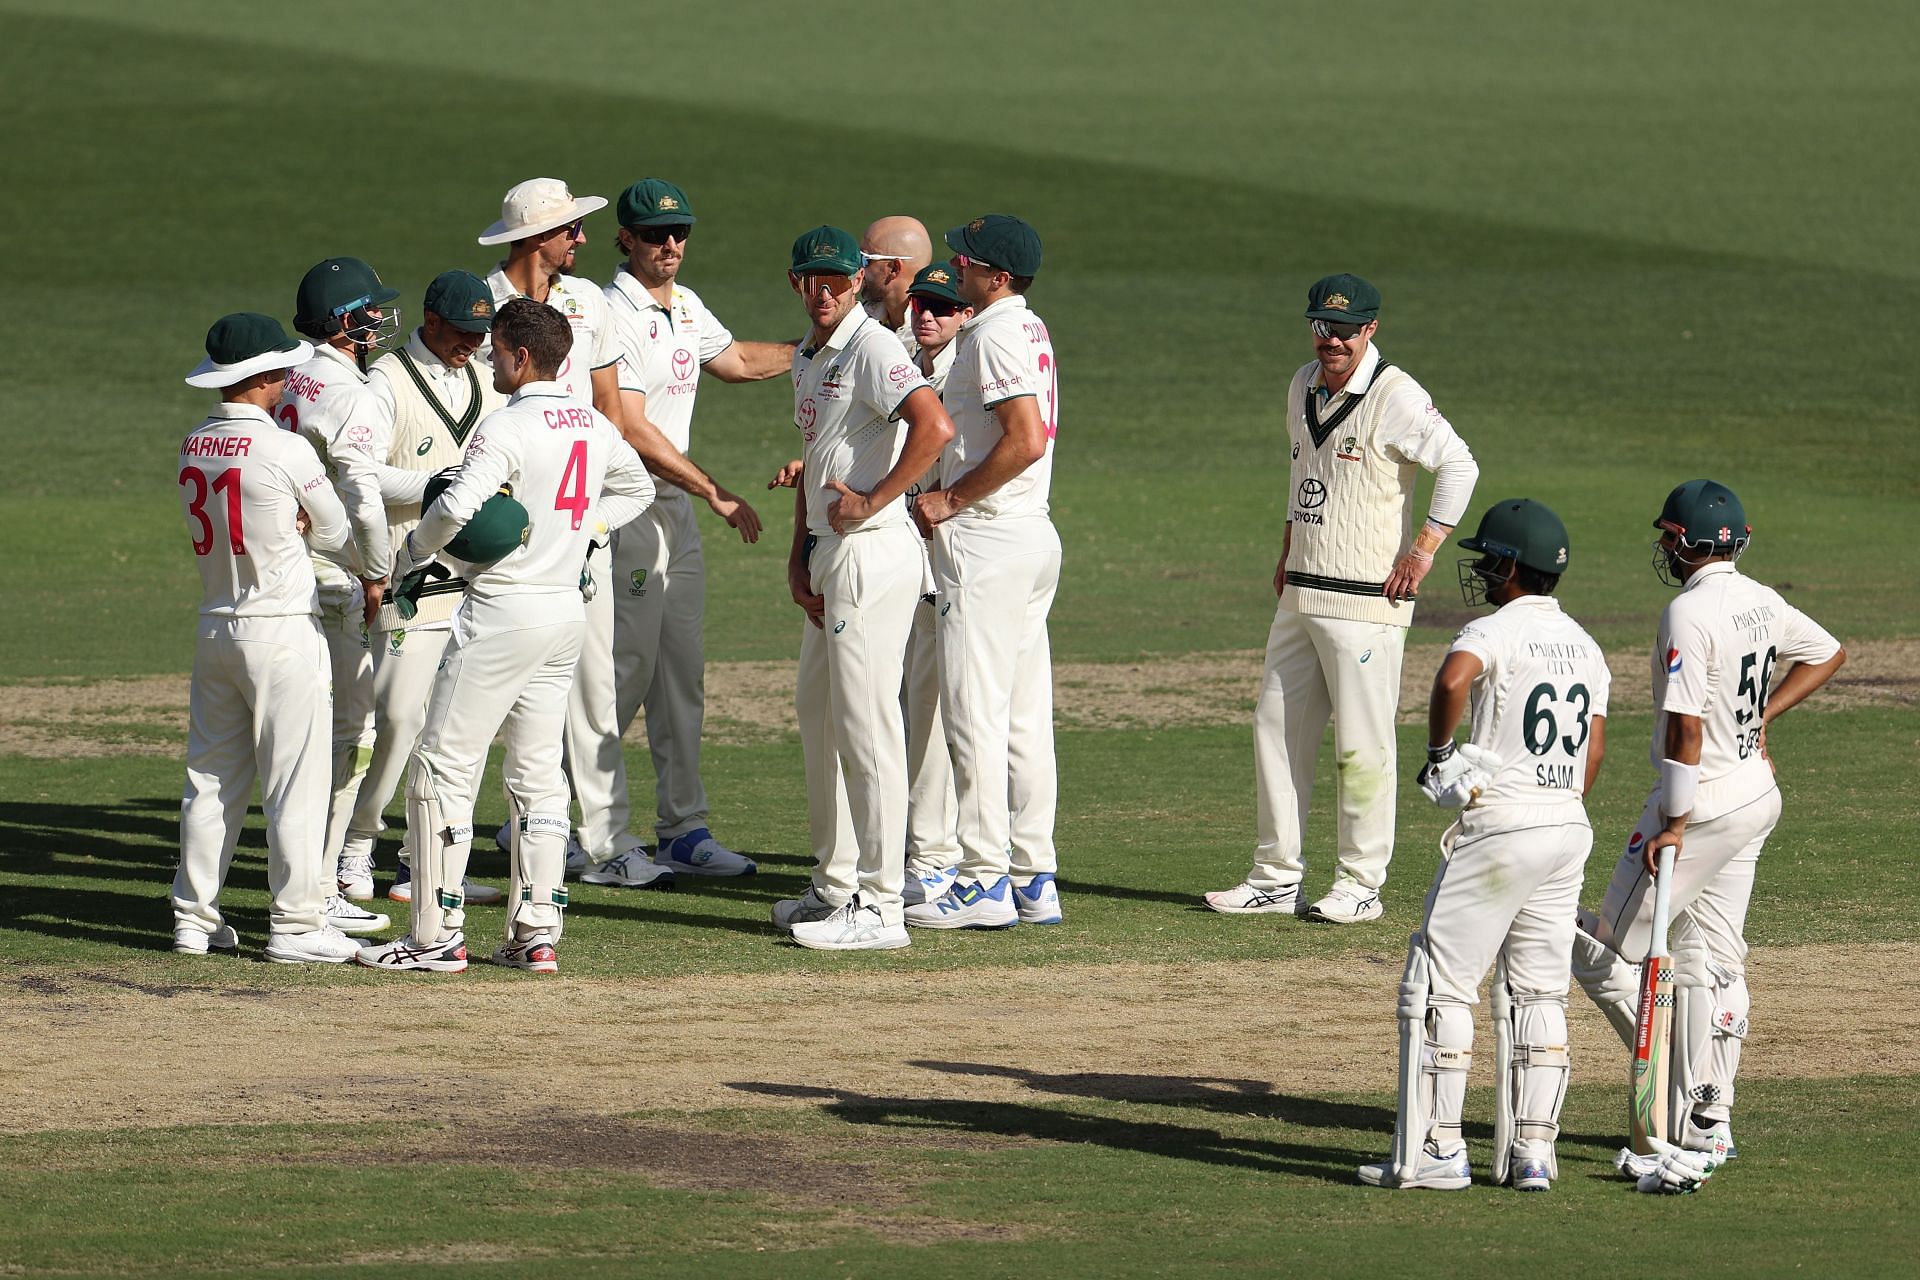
<point x="1673" y="661"/>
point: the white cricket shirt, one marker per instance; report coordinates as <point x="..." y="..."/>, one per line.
<point x="1001" y="354"/>
<point x="242" y="483"/>
<point x="585" y="307"/>
<point x="846" y="395"/>
<point x="661" y="350"/>
<point x="1542" y="682"/>
<point x="328" y="401"/>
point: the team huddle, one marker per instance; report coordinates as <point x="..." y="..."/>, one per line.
<point x="491" y="526"/>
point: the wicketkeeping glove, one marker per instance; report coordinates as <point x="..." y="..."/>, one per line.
<point x="406" y="595"/>
<point x="1670" y="1170"/>
<point x="1453" y="773"/>
<point x="588" y="587"/>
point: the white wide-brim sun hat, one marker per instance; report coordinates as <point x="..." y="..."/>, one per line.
<point x="535" y="206"/>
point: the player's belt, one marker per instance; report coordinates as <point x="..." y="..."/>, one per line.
<point x="1343" y="586"/>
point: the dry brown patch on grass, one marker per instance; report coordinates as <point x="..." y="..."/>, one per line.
<point x="750" y="702"/>
<point x="93" y="1051"/>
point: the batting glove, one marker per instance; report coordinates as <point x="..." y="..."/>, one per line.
<point x="1669" y="1170"/>
<point x="1453" y="774"/>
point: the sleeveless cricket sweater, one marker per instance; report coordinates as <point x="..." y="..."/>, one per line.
<point x="1350" y="504"/>
<point x="427" y="436"/>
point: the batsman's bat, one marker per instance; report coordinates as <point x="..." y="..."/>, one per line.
<point x="1653" y="1027"/>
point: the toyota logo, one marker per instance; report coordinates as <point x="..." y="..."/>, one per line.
<point x="1312" y="493"/>
<point x="682" y="363"/>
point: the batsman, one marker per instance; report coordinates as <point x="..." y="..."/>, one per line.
<point x="1730" y="658"/>
<point x="1511" y="866"/>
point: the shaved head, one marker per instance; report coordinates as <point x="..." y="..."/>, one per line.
<point x="900" y="236"/>
<point x="897" y="247"/>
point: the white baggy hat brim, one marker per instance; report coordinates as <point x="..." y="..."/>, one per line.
<point x="214" y="376"/>
<point x="501" y="233"/>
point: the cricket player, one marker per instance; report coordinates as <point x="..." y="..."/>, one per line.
<point x="893" y="252"/>
<point x="655" y="605"/>
<point x="345" y="310"/>
<point x="515" y="644"/>
<point x="996" y="565"/>
<point x="1510" y="875"/>
<point x="433" y="396"/>
<point x="259" y="706"/>
<point x="935" y="312"/>
<point x="1350" y="567"/>
<point x="1731" y="657"/>
<point x="854" y="570"/>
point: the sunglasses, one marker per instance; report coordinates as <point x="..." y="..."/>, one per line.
<point x="962" y="261"/>
<point x="1330" y="329"/>
<point x="935" y="306"/>
<point x="836" y="284"/>
<point x="660" y="235"/>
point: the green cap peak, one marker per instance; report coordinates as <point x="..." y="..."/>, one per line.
<point x="1000" y="240"/>
<point x="462" y="299"/>
<point x="826" y="251"/>
<point x="1343" y="299"/>
<point x="936" y="280"/>
<point x="654" y="202"/>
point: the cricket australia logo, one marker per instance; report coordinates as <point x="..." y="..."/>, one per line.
<point x="638" y="583"/>
<point x="394" y="640"/>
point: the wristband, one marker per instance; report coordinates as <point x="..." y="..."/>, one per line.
<point x="1678" y="783"/>
<point x="1436" y="755"/>
<point x="1430" y="538"/>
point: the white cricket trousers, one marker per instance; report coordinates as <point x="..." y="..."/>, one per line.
<point x="595" y="764"/>
<point x="660" y="656"/>
<point x="259" y="708"/>
<point x="1316" y="668"/>
<point x="995" y="583"/>
<point x="507" y="663"/>
<point x="404" y="663"/>
<point x="353" y="727"/>
<point x="847" y="699"/>
<point x="933" y="812"/>
<point x="1508" y="886"/>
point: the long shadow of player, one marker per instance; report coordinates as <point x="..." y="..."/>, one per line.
<point x="1319" y="1161"/>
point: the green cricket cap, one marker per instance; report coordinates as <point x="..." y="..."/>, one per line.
<point x="935" y="281"/>
<point x="500" y="525"/>
<point x="653" y="202"/>
<point x="243" y="344"/>
<point x="1344" y="299"/>
<point x="462" y="299"/>
<point x="336" y="287"/>
<point x="999" y="240"/>
<point x="826" y="251"/>
<point x="1524" y="531"/>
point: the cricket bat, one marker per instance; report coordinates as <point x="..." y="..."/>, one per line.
<point x="1653" y="1026"/>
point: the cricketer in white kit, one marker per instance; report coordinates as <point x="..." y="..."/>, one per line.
<point x="516" y="641"/>
<point x="345" y="310"/>
<point x="666" y="339"/>
<point x="996" y="565"/>
<point x="434" y="395"/>
<point x="854" y="569"/>
<point x="1360" y="430"/>
<point x="1509" y="880"/>
<point x="259" y="706"/>
<point x="1718" y="663"/>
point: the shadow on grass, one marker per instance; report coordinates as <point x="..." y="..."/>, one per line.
<point x="1322" y="1161"/>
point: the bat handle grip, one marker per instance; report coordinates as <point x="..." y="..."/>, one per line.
<point x="1662" y="899"/>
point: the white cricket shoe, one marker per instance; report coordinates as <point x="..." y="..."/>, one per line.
<point x="851" y="928"/>
<point x="697" y="853"/>
<point x="325" y="945"/>
<point x="808" y="907"/>
<point x="349" y="919"/>
<point x="189" y="941"/>
<point x="354" y="872"/>
<point x="630" y="870"/>
<point x="535" y="955"/>
<point x="1347" y="903"/>
<point x="475" y="893"/>
<point x="925" y="888"/>
<point x="1433" y="1173"/>
<point x="969" y="905"/>
<point x="1245" y="900"/>
<point x="1038" y="902"/>
<point x="1715" y="1140"/>
<point x="404" y="955"/>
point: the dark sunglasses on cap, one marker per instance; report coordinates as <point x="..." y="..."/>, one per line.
<point x="1333" y="329"/>
<point x="660" y="235"/>
<point x="935" y="306"/>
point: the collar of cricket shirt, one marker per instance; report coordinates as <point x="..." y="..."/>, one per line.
<point x="1356" y="385"/>
<point x="1012" y="302"/>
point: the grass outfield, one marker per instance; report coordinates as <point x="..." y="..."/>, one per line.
<point x="1621" y="245"/>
